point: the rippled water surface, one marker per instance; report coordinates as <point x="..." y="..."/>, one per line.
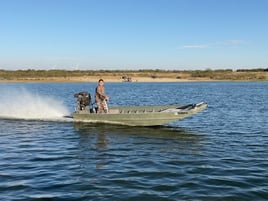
<point x="218" y="154"/>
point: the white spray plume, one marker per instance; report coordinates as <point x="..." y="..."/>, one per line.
<point x="22" y="104"/>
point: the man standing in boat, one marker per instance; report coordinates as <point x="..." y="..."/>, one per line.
<point x="101" y="98"/>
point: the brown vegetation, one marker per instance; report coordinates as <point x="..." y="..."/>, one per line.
<point x="31" y="75"/>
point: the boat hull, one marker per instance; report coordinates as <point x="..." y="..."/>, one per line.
<point x="141" y="115"/>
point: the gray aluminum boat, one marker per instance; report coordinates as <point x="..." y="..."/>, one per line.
<point x="154" y="115"/>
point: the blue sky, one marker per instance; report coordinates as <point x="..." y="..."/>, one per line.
<point x="133" y="34"/>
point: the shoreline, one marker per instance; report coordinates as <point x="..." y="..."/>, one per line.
<point x="119" y="81"/>
<point x="94" y="79"/>
<point x="133" y="76"/>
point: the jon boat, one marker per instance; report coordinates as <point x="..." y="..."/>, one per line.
<point x="153" y="115"/>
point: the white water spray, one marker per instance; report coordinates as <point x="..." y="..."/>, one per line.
<point x="21" y="104"/>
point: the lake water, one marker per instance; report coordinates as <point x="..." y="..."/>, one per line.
<point x="218" y="154"/>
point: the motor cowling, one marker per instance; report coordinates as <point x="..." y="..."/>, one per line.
<point x="83" y="100"/>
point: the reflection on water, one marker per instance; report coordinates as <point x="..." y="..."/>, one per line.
<point x="101" y="145"/>
<point x="137" y="158"/>
<point x="154" y="132"/>
<point x="106" y="144"/>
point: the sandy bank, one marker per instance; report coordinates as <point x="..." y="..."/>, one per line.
<point x="96" y="78"/>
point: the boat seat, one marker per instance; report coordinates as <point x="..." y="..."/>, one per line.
<point x="114" y="111"/>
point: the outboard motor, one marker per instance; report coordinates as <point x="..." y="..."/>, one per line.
<point x="83" y="100"/>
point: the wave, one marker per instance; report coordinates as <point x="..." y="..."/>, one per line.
<point x="22" y="104"/>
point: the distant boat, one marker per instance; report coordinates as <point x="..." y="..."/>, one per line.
<point x="153" y="115"/>
<point x="126" y="79"/>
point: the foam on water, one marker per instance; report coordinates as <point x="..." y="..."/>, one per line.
<point x="22" y="104"/>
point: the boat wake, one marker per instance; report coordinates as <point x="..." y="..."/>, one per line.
<point x="21" y="104"/>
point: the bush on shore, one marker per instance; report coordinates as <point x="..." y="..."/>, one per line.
<point x="227" y="74"/>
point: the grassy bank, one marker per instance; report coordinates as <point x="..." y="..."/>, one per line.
<point x="135" y="75"/>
